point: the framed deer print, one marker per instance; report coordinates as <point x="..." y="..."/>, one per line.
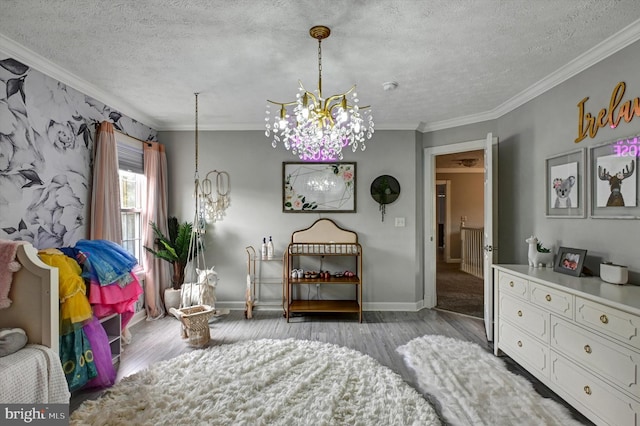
<point x="614" y="179"/>
<point x="565" y="185"/>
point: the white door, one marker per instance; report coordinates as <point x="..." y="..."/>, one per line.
<point x="490" y="200"/>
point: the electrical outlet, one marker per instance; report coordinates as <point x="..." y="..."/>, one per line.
<point x="399" y="222"/>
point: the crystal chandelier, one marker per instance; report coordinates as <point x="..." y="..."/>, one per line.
<point x="318" y="128"/>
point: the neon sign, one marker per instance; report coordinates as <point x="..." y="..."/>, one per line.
<point x="589" y="124"/>
<point x="627" y="147"/>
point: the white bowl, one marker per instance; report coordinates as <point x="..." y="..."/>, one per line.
<point x="614" y="274"/>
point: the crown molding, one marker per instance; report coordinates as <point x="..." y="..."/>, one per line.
<point x="45" y="66"/>
<point x="456" y="122"/>
<point x="179" y="127"/>
<point x="599" y="52"/>
<point x="397" y="126"/>
<point x="623" y="38"/>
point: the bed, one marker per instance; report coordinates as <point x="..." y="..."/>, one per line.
<point x="34" y="374"/>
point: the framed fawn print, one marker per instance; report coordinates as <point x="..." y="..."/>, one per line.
<point x="614" y="179"/>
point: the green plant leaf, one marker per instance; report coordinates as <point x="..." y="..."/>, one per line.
<point x="175" y="248"/>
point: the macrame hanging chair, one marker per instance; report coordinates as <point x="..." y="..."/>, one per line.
<point x="194" y="314"/>
<point x="195" y="318"/>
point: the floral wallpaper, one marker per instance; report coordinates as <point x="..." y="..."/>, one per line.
<point x="47" y="132"/>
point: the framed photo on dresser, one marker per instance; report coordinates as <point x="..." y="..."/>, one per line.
<point x="569" y="261"/>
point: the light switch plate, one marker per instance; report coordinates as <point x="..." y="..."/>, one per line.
<point x="399" y="222"/>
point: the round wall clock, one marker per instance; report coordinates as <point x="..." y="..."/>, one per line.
<point x="385" y="190"/>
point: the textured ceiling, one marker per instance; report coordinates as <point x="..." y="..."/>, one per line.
<point x="456" y="61"/>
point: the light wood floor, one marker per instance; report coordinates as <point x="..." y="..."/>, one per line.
<point x="378" y="336"/>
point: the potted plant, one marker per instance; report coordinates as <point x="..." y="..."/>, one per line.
<point x="173" y="248"/>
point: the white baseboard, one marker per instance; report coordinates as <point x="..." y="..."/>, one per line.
<point x="374" y="306"/>
<point x="239" y="306"/>
<point x="234" y="306"/>
<point x="392" y="306"/>
<point x="452" y="260"/>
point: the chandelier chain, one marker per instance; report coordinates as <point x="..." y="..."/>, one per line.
<point x="196" y="132"/>
<point x="210" y="204"/>
<point x="320" y="67"/>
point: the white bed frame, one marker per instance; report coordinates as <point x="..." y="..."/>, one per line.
<point x="34" y="296"/>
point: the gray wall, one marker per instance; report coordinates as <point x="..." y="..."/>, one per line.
<point x="394" y="266"/>
<point x="256" y="208"/>
<point x="393" y="257"/>
<point x="544" y="127"/>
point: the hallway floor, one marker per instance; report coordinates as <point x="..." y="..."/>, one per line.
<point x="458" y="291"/>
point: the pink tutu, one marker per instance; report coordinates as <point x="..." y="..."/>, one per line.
<point x="111" y="299"/>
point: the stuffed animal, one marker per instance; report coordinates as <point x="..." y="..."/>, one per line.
<point x="202" y="292"/>
<point x="537" y="257"/>
<point x="563" y="190"/>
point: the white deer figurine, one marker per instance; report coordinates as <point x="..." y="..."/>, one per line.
<point x="537" y="258"/>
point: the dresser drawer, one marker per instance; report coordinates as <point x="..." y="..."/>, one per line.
<point x="600" y="402"/>
<point x="513" y="285"/>
<point x="524" y="348"/>
<point x="610" y="321"/>
<point x="612" y="361"/>
<point x="554" y="300"/>
<point x="522" y="314"/>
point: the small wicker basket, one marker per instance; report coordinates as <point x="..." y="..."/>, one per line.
<point x="195" y="323"/>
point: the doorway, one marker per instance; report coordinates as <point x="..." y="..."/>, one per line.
<point x="459" y="192"/>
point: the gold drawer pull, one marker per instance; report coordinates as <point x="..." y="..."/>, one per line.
<point x="519" y="313"/>
<point x="604" y="319"/>
<point x="519" y="343"/>
<point x="548" y="297"/>
<point x="587" y="349"/>
<point x="587" y="390"/>
<point x="511" y="284"/>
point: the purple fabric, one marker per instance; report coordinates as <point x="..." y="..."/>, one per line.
<point x="101" y="354"/>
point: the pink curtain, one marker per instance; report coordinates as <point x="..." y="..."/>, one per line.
<point x="157" y="274"/>
<point x="105" y="195"/>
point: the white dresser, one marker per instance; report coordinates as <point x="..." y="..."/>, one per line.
<point x="579" y="336"/>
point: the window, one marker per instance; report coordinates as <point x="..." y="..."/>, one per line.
<point x="132" y="187"/>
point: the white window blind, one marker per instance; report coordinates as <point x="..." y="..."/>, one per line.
<point x="130" y="154"/>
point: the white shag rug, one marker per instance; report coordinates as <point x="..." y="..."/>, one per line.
<point x="262" y="382"/>
<point x="474" y="387"/>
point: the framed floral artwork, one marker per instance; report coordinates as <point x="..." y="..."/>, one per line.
<point x="318" y="187"/>
<point x="565" y="185"/>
